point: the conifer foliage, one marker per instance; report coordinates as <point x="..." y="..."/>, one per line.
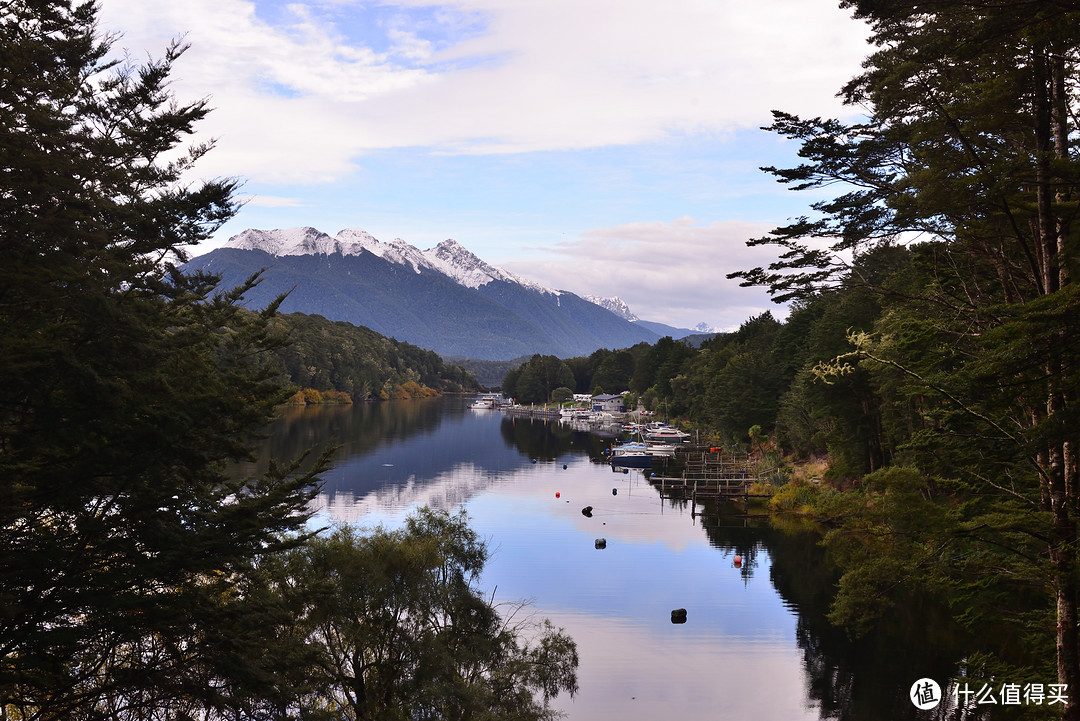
<point x="968" y="157"/>
<point x="125" y="388"/>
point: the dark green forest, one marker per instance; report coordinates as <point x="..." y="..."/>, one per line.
<point x="138" y="579"/>
<point x="334" y="355"/>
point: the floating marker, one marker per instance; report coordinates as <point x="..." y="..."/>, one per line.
<point x="564" y="466"/>
<point x="738" y="561"/>
<point x="614" y="491"/>
<point x="556" y="494"/>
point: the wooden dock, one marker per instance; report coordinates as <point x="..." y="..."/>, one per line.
<point x="702" y="488"/>
<point x="531" y="412"/>
<point x="710" y="474"/>
<point x="717" y="465"/>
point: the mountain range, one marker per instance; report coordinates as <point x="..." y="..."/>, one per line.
<point x="445" y="298"/>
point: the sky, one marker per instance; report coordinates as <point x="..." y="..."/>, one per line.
<point x="603" y="147"/>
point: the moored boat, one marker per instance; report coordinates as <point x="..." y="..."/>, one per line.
<point x="656" y="432"/>
<point x="486" y="402"/>
<point x="632" y="458"/>
<point x="653" y="449"/>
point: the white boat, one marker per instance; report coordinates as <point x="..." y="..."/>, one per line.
<point x="486" y="402"/>
<point x="637" y="447"/>
<point x="665" y="433"/>
<point x="660" y="449"/>
<point x="635" y="457"/>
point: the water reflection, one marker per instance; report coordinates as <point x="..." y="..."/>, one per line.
<point x="756" y="643"/>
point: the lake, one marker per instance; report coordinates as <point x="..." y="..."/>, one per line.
<point x="755" y="644"/>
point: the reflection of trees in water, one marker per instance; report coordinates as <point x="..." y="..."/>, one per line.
<point x="358" y="428"/>
<point x="548" y="441"/>
<point x="849" y="679"/>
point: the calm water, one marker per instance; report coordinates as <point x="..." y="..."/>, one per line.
<point x="756" y="643"/>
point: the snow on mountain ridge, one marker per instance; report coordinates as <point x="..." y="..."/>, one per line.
<point x="615" y="304"/>
<point x="291" y="241"/>
<point x="456" y="261"/>
<point x="449" y="257"/>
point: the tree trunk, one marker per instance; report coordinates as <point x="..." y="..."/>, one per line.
<point x="1052" y="139"/>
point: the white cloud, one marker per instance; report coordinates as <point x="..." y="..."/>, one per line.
<point x="270" y="201"/>
<point x="299" y="102"/>
<point x="670" y="272"/>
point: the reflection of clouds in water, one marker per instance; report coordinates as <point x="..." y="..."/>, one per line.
<point x="640" y="673"/>
<point x="445" y="491"/>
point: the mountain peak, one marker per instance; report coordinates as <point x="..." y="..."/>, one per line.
<point x="616" y="305"/>
<point x="303" y="241"/>
<point x="455" y="260"/>
<point x="449" y="257"/>
<point x="288" y="241"/>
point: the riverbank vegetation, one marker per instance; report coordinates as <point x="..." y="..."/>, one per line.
<point x="956" y="233"/>
<point x="139" y="579"/>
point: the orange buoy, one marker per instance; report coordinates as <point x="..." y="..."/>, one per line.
<point x="738" y="560"/>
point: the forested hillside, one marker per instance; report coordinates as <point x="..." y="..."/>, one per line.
<point x="335" y="355"/>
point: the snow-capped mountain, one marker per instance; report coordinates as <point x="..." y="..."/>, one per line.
<point x="619" y="307"/>
<point x="449" y="257"/>
<point x="444" y="298"/>
<point x="616" y="305"/>
<point x="452" y="259"/>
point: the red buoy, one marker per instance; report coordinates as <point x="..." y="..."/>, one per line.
<point x="738" y="560"/>
<point x="556" y="494"/>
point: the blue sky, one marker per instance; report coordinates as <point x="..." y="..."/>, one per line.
<point x="598" y="146"/>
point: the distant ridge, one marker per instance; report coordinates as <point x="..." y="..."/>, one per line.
<point x="444" y="298"/>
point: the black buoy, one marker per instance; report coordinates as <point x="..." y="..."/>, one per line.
<point x="587" y="511"/>
<point x="614" y="491"/>
<point x="626" y="470"/>
<point x="678" y="615"/>
<point x="564" y="466"/>
<point x="600" y="543"/>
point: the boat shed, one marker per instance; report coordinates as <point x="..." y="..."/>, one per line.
<point x="609" y="403"/>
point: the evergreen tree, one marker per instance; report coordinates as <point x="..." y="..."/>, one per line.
<point x="125" y="388"/>
<point x="970" y="146"/>
<point x="535" y="379"/>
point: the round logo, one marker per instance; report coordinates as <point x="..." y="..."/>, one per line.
<point x="925" y="694"/>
